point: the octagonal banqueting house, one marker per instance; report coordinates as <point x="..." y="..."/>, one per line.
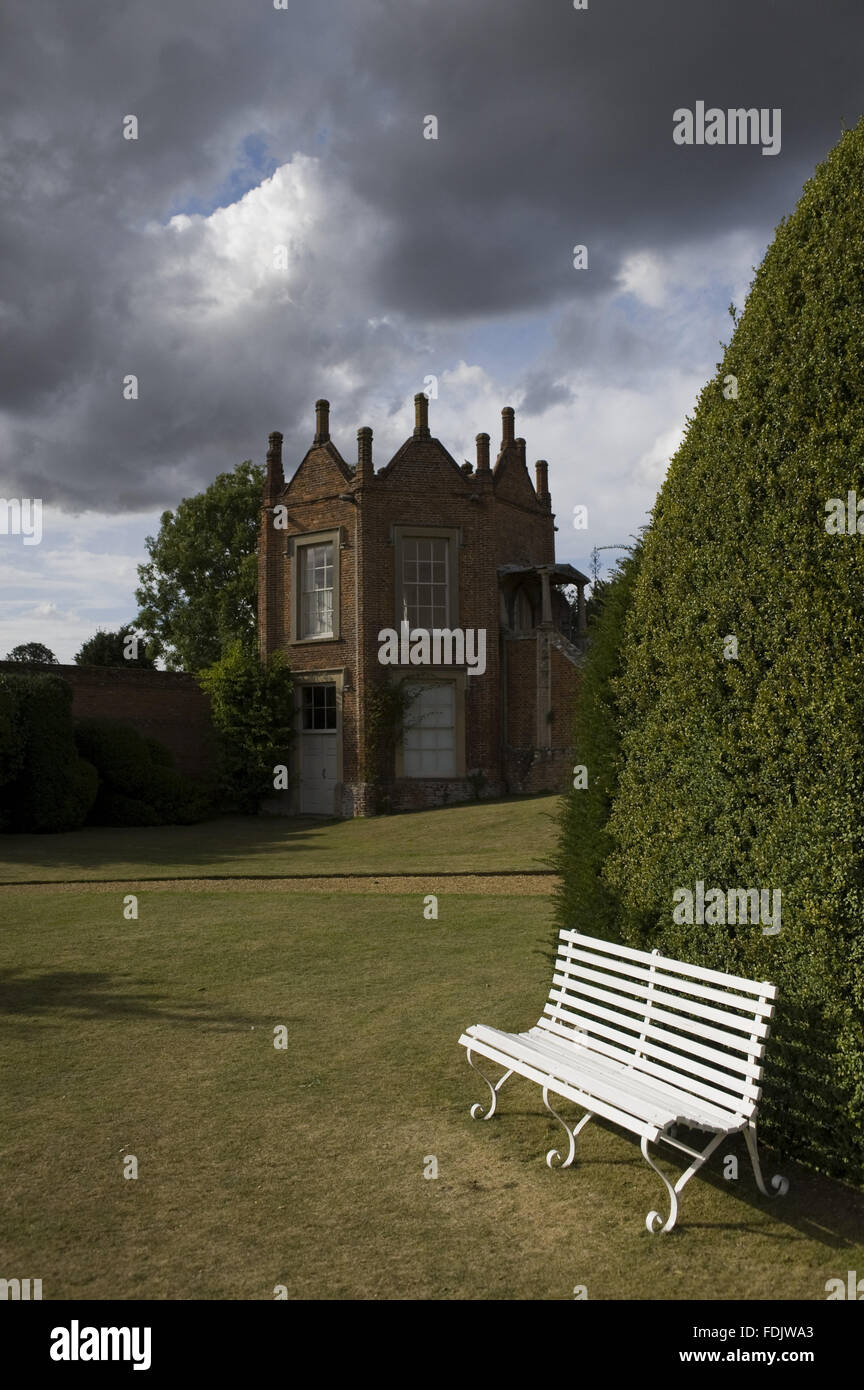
<point x="435" y="577"/>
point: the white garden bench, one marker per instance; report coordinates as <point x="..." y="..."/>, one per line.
<point x="647" y="1042"/>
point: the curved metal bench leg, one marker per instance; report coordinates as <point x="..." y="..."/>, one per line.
<point x="654" y="1217"/>
<point x="477" y="1109"/>
<point x="779" y="1183"/>
<point x="654" y="1220"/>
<point x="571" y="1134"/>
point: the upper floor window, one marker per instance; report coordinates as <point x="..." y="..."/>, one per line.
<point x="426" y="580"/>
<point x="316" y="590"/>
<point x="316" y="586"/>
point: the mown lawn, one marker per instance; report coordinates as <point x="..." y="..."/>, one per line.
<point x="304" y="1167"/>
<point x="488" y="836"/>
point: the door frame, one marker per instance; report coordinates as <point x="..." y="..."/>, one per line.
<point x="336" y="678"/>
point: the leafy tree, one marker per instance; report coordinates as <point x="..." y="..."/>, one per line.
<point x="742" y="693"/>
<point x="198" y="590"/>
<point x="109" y="649"/>
<point x="33" y="654"/>
<point x="252" y="711"/>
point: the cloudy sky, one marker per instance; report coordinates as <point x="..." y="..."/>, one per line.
<point x="406" y="257"/>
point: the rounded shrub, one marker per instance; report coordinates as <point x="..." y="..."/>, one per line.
<point x="138" y="785"/>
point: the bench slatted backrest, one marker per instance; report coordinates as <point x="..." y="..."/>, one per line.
<point x="699" y="1030"/>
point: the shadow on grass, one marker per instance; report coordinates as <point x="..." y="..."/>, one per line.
<point x="819" y="1208"/>
<point x="816" y="1207"/>
<point x="220" y="841"/>
<point x="97" y="995"/>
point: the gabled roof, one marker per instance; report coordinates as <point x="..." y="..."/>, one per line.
<point x="322" y="469"/>
<point x="415" y="457"/>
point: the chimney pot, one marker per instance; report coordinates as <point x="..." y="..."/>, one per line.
<point x="364" y="454"/>
<point x="421" y="415"/>
<point x="322" y="422"/>
<point x="508" y="425"/>
<point x="275" y="476"/>
<point x="541" y="469"/>
<point x="482" y="442"/>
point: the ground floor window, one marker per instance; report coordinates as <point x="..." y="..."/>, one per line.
<point x="319" y="707"/>
<point x="429" y="736"/>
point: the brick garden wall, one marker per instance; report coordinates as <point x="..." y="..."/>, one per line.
<point x="165" y="705"/>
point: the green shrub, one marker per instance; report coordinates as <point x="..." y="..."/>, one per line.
<point x="44" y="784"/>
<point x="749" y="772"/>
<point x="253" y="712"/>
<point x="138" y="785"/>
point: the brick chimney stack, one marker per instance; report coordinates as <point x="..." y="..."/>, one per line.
<point x="275" y="476"/>
<point x="322" y="422"/>
<point x="365" y="471"/>
<point x="541" y="469"/>
<point x="520" y="450"/>
<point x="421" y="415"/>
<point x="508" y="425"/>
<point x="482" y="442"/>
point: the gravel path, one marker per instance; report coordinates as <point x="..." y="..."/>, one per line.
<point x="506" y="885"/>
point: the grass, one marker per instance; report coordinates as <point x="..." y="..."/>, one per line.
<point x="304" y="1167"/>
<point x="479" y="836"/>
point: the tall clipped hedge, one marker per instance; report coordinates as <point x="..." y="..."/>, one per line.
<point x="749" y="772"/>
<point x="585" y="902"/>
<point x="44" y="784"/>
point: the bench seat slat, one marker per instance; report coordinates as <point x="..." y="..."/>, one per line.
<point x="636" y="972"/>
<point x="562" y="1088"/>
<point x="596" y="1075"/>
<point x="750" y="1024"/>
<point x="639" y="1007"/>
<point x="677" y="967"/>
<point x="654" y="1037"/>
<point x="650" y="1066"/>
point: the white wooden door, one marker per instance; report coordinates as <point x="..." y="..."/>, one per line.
<point x="318" y="768"/>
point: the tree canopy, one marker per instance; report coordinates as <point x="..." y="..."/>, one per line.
<point x="120" y="648"/>
<point x="198" y="591"/>
<point x="33" y="654"/>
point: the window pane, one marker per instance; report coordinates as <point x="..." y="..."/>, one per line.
<point x="429" y="738"/>
<point x="425" y="580"/>
<point x="319" y="706"/>
<point x="316" y="590"/>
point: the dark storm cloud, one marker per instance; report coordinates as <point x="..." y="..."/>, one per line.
<point x="555" y="128"/>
